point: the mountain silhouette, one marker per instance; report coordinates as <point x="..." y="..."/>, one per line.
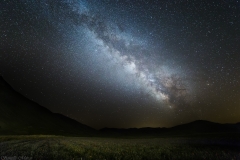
<point x="198" y="127"/>
<point x="203" y="126"/>
<point x="19" y="115"/>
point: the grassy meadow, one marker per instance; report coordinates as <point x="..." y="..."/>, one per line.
<point x="83" y="148"/>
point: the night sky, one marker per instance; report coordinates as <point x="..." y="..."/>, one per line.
<point x="125" y="63"/>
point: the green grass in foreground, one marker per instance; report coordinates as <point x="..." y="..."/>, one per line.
<point x="56" y="147"/>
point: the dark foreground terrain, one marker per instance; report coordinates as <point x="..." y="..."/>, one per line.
<point x="21" y="117"/>
<point x="59" y="147"/>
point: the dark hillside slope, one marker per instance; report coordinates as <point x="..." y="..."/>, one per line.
<point x="19" y="115"/>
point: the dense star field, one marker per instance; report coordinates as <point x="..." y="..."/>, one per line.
<point x="121" y="63"/>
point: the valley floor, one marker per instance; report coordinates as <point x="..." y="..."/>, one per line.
<point x="83" y="148"/>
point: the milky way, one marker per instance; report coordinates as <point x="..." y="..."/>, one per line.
<point x="125" y="63"/>
<point x="129" y="56"/>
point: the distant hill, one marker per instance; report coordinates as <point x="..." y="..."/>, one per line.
<point x="198" y="127"/>
<point x="202" y="126"/>
<point x="19" y="115"/>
